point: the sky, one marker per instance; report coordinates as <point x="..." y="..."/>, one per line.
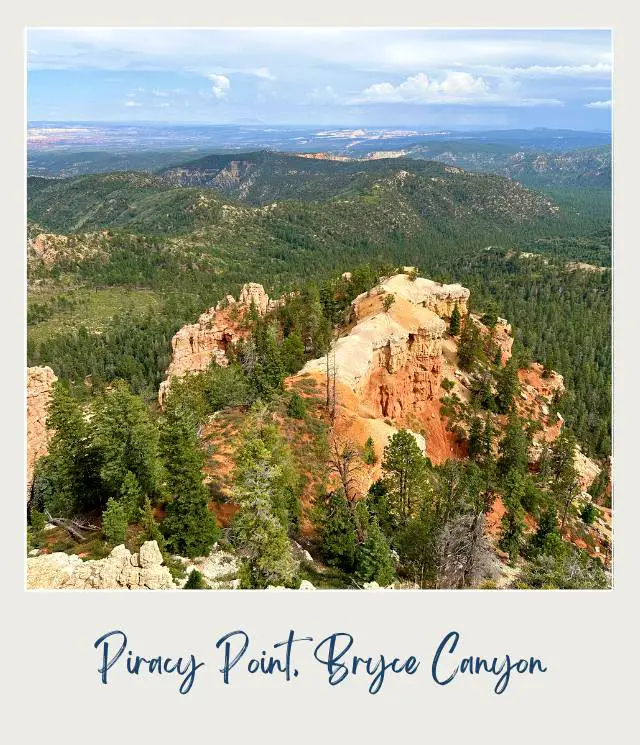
<point x="416" y="78"/>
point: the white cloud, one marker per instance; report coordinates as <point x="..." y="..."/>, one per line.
<point x="132" y="103"/>
<point x="599" y="104"/>
<point x="455" y="86"/>
<point x="165" y="105"/>
<point x="263" y="72"/>
<point x="160" y="94"/>
<point x="221" y="85"/>
<point x="600" y="69"/>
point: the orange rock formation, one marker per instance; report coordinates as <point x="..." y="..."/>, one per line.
<point x="196" y="345"/>
<point x="40" y="382"/>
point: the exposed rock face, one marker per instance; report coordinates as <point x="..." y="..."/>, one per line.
<point x="389" y="367"/>
<point x="587" y="469"/>
<point x="254" y="293"/>
<point x="196" y="345"/>
<point x="40" y="382"/>
<point x="45" y="246"/>
<point x="438" y="298"/>
<point x="120" y="570"/>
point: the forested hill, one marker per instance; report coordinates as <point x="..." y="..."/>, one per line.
<point x="579" y="168"/>
<point x="410" y="195"/>
<point x="264" y="176"/>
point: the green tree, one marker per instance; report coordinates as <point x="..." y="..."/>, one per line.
<point x="189" y="527"/>
<point x="195" y="581"/>
<point x="454" y="323"/>
<point x="368" y="452"/>
<point x="260" y="537"/>
<point x="589" y="513"/>
<point x="67" y="479"/>
<point x="296" y="407"/>
<point x="512" y="530"/>
<point x="417" y="545"/>
<point x="374" y="561"/>
<point x="131" y="497"/>
<point x="336" y="528"/>
<point x="404" y="467"/>
<point x="475" y="438"/>
<point x="547" y="539"/>
<point x="490" y="316"/>
<point x="114" y="522"/>
<point x="388" y="301"/>
<point x="470" y="345"/>
<point x="262" y="440"/>
<point x="150" y="528"/>
<point x="514" y="448"/>
<point x="127" y="439"/>
<point x="292" y="353"/>
<point x="507" y="386"/>
<point x="225" y="386"/>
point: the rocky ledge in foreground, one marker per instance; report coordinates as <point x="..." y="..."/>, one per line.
<point x="121" y="570"/>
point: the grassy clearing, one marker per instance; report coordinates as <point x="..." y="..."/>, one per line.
<point x="92" y="308"/>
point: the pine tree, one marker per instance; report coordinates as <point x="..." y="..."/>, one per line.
<point x="475" y="437"/>
<point x="189" y="527"/>
<point x="547" y="539"/>
<point x="292" y="353"/>
<point x="125" y="435"/>
<point x="470" y="346"/>
<point x="296" y="407"/>
<point x="150" y="528"/>
<point x="257" y="532"/>
<point x="337" y="531"/>
<point x="195" y="581"/>
<point x="131" y="497"/>
<point x="514" y="448"/>
<point x="507" y="386"/>
<point x="66" y="480"/>
<point x="262" y="440"/>
<point x="369" y="453"/>
<point x="387" y="302"/>
<point x="114" y="522"/>
<point x="374" y="561"/>
<point x="514" y="493"/>
<point x="404" y="467"/>
<point x="454" y="323"/>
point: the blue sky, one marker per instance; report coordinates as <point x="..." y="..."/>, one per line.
<point x="351" y="77"/>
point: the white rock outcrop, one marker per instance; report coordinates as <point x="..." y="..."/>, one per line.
<point x="120" y="570"/>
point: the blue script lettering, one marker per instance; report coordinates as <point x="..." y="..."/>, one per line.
<point x="236" y="645"/>
<point x="186" y="668"/>
<point x="501" y="668"/>
<point x="332" y="650"/>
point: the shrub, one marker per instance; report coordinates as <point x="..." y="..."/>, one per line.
<point x="447" y="384"/>
<point x="296" y="407"/>
<point x="589" y="513"/>
<point x="38" y="521"/>
<point x="195" y="581"/>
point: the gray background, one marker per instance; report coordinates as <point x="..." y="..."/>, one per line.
<point x="51" y="688"/>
